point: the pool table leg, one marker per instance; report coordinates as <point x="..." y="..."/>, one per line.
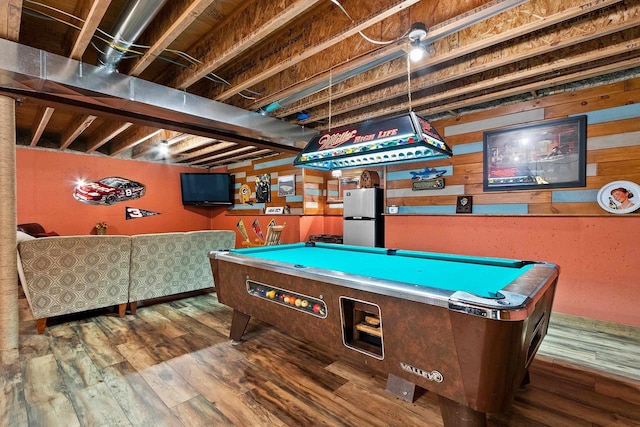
<point x="401" y="388"/>
<point x="526" y="380"/>
<point x="239" y="323"/>
<point x="455" y="414"/>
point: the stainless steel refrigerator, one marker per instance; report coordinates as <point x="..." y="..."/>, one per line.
<point x="363" y="219"/>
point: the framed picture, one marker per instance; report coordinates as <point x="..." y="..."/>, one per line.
<point x="263" y="188"/>
<point x="286" y="185"/>
<point x="550" y="154"/>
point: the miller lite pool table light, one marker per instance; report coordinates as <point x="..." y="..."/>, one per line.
<point x="403" y="138"/>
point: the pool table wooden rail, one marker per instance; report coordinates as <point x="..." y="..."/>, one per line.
<point x="514" y="304"/>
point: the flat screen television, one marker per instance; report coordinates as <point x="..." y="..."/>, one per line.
<point x="207" y="189"/>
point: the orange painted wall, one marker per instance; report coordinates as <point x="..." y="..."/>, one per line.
<point x="599" y="257"/>
<point x="298" y="228"/>
<point x="45" y="182"/>
<point x="224" y="221"/>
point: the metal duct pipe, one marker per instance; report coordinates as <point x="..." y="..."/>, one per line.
<point x="28" y="72"/>
<point x="133" y="20"/>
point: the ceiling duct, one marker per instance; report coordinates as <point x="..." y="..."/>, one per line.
<point x="403" y="138"/>
<point x="133" y="20"/>
<point x="26" y="72"/>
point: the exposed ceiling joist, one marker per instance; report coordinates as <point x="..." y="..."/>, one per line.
<point x="92" y="13"/>
<point x="43" y="115"/>
<point x="336" y="63"/>
<point x="77" y="125"/>
<point x="170" y="26"/>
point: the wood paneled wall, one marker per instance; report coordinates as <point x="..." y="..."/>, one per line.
<point x="613" y="153"/>
<point x="277" y="166"/>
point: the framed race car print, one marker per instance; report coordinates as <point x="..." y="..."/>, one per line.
<point x="107" y="191"/>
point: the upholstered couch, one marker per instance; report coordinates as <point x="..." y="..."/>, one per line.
<point x="173" y="263"/>
<point x="64" y="275"/>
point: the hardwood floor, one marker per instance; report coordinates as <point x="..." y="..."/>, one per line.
<point x="173" y="365"/>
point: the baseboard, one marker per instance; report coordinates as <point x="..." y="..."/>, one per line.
<point x="579" y="322"/>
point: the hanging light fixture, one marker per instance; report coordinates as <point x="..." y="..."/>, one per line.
<point x="416" y="36"/>
<point x="403" y="138"/>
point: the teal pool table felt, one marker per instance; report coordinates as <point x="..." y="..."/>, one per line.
<point x="477" y="275"/>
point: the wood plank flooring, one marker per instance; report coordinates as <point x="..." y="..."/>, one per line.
<point x="172" y="364"/>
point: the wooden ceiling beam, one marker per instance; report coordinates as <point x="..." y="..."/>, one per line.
<point x="319" y="79"/>
<point x="106" y="133"/>
<point x="569" y="78"/>
<point x="225" y="153"/>
<point x="326" y="33"/>
<point x="236" y="158"/>
<point x="148" y="146"/>
<point x="170" y="26"/>
<point x="75" y="127"/>
<point x="40" y="121"/>
<point x="536" y="45"/>
<point x="132" y="137"/>
<point x="10" y="17"/>
<point x="454" y="25"/>
<point x="190" y="143"/>
<point x="563" y="62"/>
<point x="92" y="13"/>
<point x="466" y="44"/>
<point x="270" y="17"/>
<point x="205" y="151"/>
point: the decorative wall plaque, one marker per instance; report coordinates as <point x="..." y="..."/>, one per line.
<point x="428" y="184"/>
<point x="464" y="204"/>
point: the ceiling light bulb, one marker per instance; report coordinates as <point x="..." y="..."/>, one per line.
<point x="163" y="150"/>
<point x="417" y="51"/>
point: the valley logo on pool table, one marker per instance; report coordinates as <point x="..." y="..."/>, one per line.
<point x="434" y="375"/>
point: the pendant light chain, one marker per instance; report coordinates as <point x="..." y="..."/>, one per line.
<point x="409" y="81"/>
<point x="330" y="77"/>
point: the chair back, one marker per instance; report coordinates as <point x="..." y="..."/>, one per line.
<point x="273" y="236"/>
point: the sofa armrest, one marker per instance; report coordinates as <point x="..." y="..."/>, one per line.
<point x="65" y="275"/>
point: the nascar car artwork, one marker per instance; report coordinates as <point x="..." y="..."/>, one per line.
<point x="108" y="191"/>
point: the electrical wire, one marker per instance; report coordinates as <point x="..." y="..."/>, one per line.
<point x="370" y="40"/>
<point x="62" y="12"/>
<point x="111" y="41"/>
<point x="409" y="80"/>
<point x="330" y="78"/>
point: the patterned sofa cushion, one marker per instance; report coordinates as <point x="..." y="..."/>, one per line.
<point x="165" y="264"/>
<point x="67" y="275"/>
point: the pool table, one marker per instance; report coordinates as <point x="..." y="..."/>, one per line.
<point x="465" y="328"/>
